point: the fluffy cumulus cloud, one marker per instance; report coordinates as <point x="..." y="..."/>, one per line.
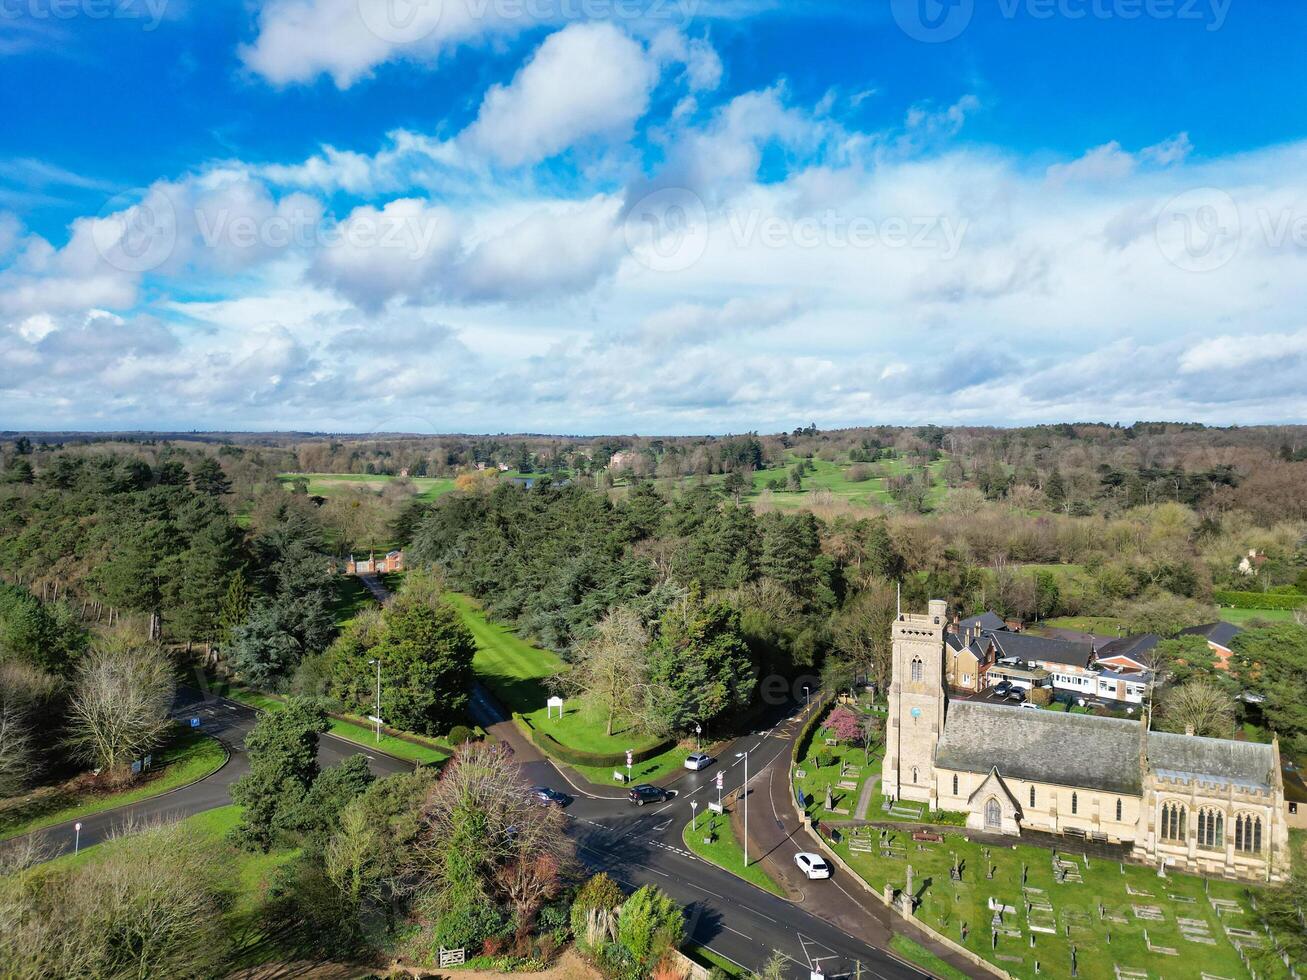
<point x="747" y="260"/>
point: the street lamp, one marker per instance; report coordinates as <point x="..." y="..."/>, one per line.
<point x="377" y="717"/>
<point x="807" y="701"/>
<point x="745" y="793"/>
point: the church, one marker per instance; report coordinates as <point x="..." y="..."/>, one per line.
<point x="1203" y="805"/>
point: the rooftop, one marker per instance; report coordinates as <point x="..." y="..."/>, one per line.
<point x="1224" y="760"/>
<point x="1222" y="633"/>
<point x="1027" y="646"/>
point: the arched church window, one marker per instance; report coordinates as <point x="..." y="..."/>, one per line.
<point x="1118" y="809"/>
<point x="917" y="667"/>
<point x="1032" y="796"/>
<point x="955" y="784"/>
<point x="914" y="774"/>
<point x="1211" y="828"/>
<point x="1173" y="821"/>
<point x="993" y="813"/>
<point x="1248" y="833"/>
<point x="1075" y="802"/>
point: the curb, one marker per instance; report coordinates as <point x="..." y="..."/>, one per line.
<point x="227" y="751"/>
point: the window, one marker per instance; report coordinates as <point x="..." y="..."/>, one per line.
<point x="1173" y="821"/>
<point x="914" y="774"/>
<point x="1211" y="828"/>
<point x="1248" y="834"/>
<point x="1118" y="809"/>
<point x="916" y="668"/>
<point x="993" y="814"/>
<point x="1075" y="802"/>
<point x="955" y="784"/>
<point x="1032" y="796"/>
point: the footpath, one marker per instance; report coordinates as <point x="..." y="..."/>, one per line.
<point x="776" y="835"/>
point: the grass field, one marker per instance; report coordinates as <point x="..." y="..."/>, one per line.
<point x="187" y="757"/>
<point x="1097" y="916"/>
<point x="1242" y="617"/>
<point x="816" y="779"/>
<point x="334" y="484"/>
<point x="725" y="850"/>
<point x="515" y="671"/>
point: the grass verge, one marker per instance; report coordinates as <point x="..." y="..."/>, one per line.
<point x="187" y="757"/>
<point x="705" y="957"/>
<point x="724" y="850"/>
<point x="914" y="952"/>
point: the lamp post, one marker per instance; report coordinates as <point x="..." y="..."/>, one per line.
<point x="807" y="700"/>
<point x="77" y="837"/>
<point x="694" y="815"/>
<point x="377" y="717"/>
<point x="745" y="793"/>
<point x="698" y="730"/>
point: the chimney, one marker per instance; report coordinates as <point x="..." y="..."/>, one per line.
<point x="1188" y="729"/>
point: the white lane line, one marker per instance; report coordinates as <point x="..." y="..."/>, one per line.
<point x="737" y="932"/>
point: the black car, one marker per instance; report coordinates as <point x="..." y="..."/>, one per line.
<point x="549" y="797"/>
<point x="648" y="793"/>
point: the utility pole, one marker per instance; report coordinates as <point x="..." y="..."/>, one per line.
<point x="377" y="717"/>
<point x="744" y="791"/>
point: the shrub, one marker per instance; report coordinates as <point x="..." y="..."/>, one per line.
<point x="549" y="745"/>
<point x="460" y="734"/>
<point x="858" y="474"/>
<point x="650" y="924"/>
<point x="1260" y="600"/>
<point x="1041" y="696"/>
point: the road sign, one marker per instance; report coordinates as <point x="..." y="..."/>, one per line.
<point x="77" y="826"/>
<point x="375" y="720"/>
<point x="720" y="776"/>
<point x="630" y="757"/>
<point x="715" y="807"/>
<point x="195" y="723"/>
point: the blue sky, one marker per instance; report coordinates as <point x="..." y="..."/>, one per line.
<point x="680" y="216"/>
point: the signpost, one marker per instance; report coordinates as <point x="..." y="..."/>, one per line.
<point x="630" y="758"/>
<point x="551" y="704"/>
<point x="694" y="815"/>
<point x="195" y="723"/>
<point x="721" y="778"/>
<point x="77" y="839"/>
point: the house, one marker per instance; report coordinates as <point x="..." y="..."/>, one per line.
<point x="1204" y="805"/>
<point x="1251" y="563"/>
<point x="968" y="654"/>
<point x="372" y="565"/>
<point x="623" y="459"/>
<point x="1129" y="653"/>
<point x="1219" y="637"/>
<point x="1070" y="663"/>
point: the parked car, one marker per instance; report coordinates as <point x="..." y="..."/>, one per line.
<point x="648" y="793"/>
<point x="698" y="760"/>
<point x="814" y="866"/>
<point x="1002" y="687"/>
<point x="1029" y="704"/>
<point x="549" y="797"/>
<point x="1016" y="694"/>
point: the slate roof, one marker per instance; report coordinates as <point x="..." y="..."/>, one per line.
<point x="1027" y="646"/>
<point x="1219" y="633"/>
<point x="1139" y="648"/>
<point x="1047" y="746"/>
<point x="985" y="621"/>
<point x="1221" y="759"/>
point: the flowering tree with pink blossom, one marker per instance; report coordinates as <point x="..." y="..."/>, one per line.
<point x="843" y="724"/>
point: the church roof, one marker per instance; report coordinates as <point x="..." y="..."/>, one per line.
<point x="1217" y="759"/>
<point x="1046" y="746"/>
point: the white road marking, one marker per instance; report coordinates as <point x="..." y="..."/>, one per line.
<point x="737" y="932"/>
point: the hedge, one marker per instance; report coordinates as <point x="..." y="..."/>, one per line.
<point x="550" y="746"/>
<point x="811" y="725"/>
<point x="1260" y="600"/>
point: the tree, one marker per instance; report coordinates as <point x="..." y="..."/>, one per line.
<point x="235" y="607"/>
<point x="208" y="477"/>
<point x="593" y="912"/>
<point x="775" y="968"/>
<point x="1198" y="705"/>
<point x="610" y="668"/>
<point x="650" y="924"/>
<point x="702" y="660"/>
<point x="24" y="693"/>
<point x="283" y="754"/>
<point x="20" y="471"/>
<point x="1272" y="661"/>
<point x="843" y="724"/>
<point x="119" y="708"/>
<point x="735" y="484"/>
<point x="862" y="631"/>
<point x="315" y="816"/>
<point x="1164" y="614"/>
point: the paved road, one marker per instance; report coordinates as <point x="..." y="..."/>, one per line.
<point x="229" y="722"/>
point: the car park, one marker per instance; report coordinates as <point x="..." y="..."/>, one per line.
<point x="696" y="761"/>
<point x="648" y="793"/>
<point x="813" y="866"/>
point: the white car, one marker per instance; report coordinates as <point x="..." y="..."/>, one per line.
<point x="812" y="865"/>
<point x="697" y="760"/>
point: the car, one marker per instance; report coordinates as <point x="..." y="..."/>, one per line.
<point x="1029" y="704"/>
<point x="698" y="760"/>
<point x="549" y="797"/>
<point x="1016" y="694"/>
<point x="648" y="793"/>
<point x="814" y="866"/>
<point x="1002" y="687"/>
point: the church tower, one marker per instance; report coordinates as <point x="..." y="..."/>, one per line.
<point x="916" y="706"/>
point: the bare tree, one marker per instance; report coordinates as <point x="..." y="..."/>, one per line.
<point x="1200" y="705"/>
<point x="22" y="689"/>
<point x="119" y="708"/>
<point x="610" y="669"/>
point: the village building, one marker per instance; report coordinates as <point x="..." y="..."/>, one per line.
<point x="1220" y="639"/>
<point x="393" y="561"/>
<point x="1204" y="805"/>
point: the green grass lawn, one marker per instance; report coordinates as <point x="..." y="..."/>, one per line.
<point x="859" y="768"/>
<point x="708" y="958"/>
<point x="725" y="850"/>
<point x="1102" y="625"/>
<point x="352" y="597"/>
<point x="1114" y="936"/>
<point x="914" y="952"/>
<point x="334" y="484"/>
<point x="1242" y="617"/>
<point x="189" y="756"/>
<point x="515" y="670"/>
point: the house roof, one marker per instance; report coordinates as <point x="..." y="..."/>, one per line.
<point x="1046" y="746"/>
<point x="1027" y="646"/>
<point x="1137" y="648"/>
<point x="985" y="621"/>
<point x="1219" y="633"/>
<point x="1242" y="763"/>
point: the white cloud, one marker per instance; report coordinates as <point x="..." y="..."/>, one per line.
<point x="587" y="80"/>
<point x="1110" y="162"/>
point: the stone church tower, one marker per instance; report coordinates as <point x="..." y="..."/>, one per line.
<point x="916" y="706"/>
